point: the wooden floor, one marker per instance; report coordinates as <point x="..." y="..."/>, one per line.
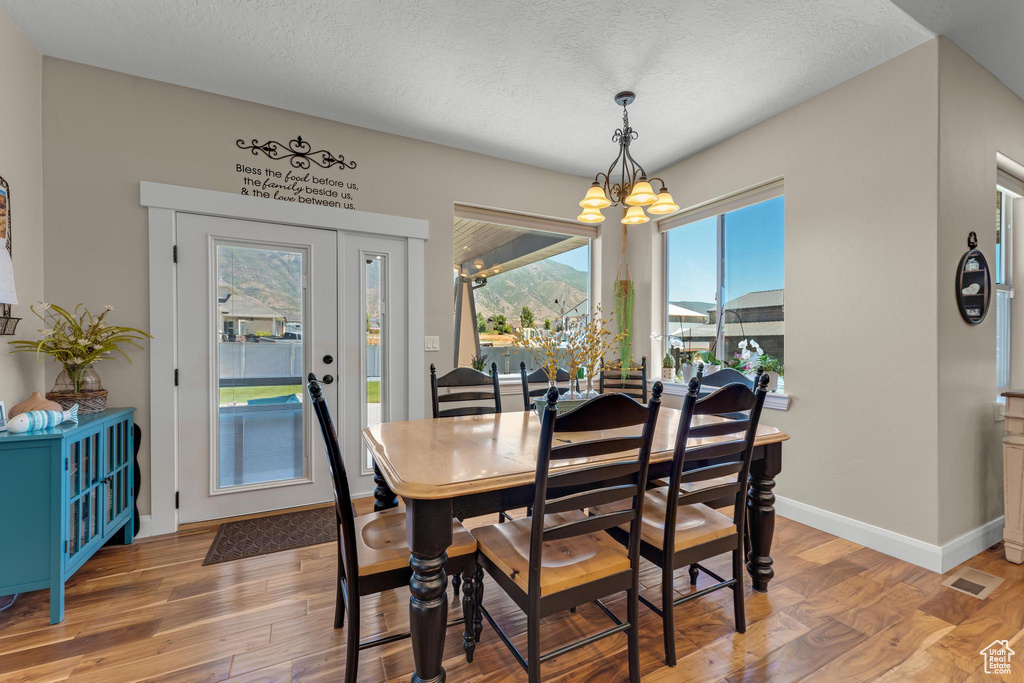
<point x="836" y="611"/>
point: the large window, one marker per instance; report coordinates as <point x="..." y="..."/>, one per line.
<point x="725" y="280"/>
<point x="514" y="271"/>
<point x="1008" y="191"/>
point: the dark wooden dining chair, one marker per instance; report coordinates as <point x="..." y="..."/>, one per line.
<point x="678" y="528"/>
<point x="372" y="552"/>
<point x="560" y="558"/>
<point x="539" y="379"/>
<point x="634" y="383"/>
<point x="460" y="383"/>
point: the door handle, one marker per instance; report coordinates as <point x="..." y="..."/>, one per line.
<point x="328" y="359"/>
<point x="327" y="379"/>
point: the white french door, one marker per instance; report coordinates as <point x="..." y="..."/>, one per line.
<point x="257" y="311"/>
<point x="261" y="305"/>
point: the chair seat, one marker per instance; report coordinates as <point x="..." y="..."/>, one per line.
<point x="695" y="524"/>
<point x="564" y="563"/>
<point x="381" y="544"/>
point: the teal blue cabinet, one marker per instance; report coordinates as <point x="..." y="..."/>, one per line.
<point x="64" y="492"/>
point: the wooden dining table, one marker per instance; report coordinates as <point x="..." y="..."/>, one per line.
<point x="477" y="465"/>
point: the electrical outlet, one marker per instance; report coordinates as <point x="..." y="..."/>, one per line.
<point x="431" y="343"/>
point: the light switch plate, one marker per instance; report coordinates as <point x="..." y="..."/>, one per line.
<point x="431" y="343"/>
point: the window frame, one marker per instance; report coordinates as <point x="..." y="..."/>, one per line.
<point x="1011" y="190"/>
<point x="722" y="206"/>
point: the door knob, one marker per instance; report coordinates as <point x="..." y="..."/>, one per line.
<point x="328" y="359"/>
<point x="327" y="379"/>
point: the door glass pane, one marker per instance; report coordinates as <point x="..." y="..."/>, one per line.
<point x="374" y="343"/>
<point x="692" y="278"/>
<point x="260" y="302"/>
<point x="754" y="283"/>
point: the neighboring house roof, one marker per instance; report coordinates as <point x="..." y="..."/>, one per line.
<point x="755" y="330"/>
<point x="677" y="311"/>
<point x="762" y="299"/>
<point x="244" y="306"/>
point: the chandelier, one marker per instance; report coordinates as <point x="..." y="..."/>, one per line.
<point x="625" y="183"/>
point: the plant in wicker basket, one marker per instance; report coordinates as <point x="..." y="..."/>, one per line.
<point x="77" y="340"/>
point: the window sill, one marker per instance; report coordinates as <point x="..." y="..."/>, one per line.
<point x="775" y="400"/>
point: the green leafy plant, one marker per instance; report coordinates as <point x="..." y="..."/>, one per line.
<point x="262" y="333"/>
<point x="547" y="323"/>
<point x="709" y="358"/>
<point x="481" y="323"/>
<point x="526" y="317"/>
<point x="478" y="362"/>
<point x="668" y="361"/>
<point x="78" y="339"/>
<point x="770" y="364"/>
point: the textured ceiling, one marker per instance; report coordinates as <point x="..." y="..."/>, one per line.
<point x="527" y="81"/>
<point x="991" y="31"/>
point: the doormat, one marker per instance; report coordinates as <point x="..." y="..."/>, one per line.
<point x="262" y="535"/>
<point x="973" y="582"/>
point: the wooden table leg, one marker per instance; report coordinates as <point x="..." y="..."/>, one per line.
<point x="761" y="505"/>
<point x="383" y="497"/>
<point x="428" y="526"/>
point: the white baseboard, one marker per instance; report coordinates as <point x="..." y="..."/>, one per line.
<point x="933" y="557"/>
<point x="145" y="526"/>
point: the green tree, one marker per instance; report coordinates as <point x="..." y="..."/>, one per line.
<point x="501" y="325"/>
<point x="481" y="323"/>
<point x="547" y="323"/>
<point x="526" y="317"/>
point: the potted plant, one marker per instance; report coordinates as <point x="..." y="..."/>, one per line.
<point x="78" y="341"/>
<point x="668" y="367"/>
<point x="687" y="368"/>
<point x="478" y="362"/>
<point x="711" y="363"/>
<point x="773" y="368"/>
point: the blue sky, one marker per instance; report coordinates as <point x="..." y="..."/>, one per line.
<point x="754" y="254"/>
<point x="577" y="258"/>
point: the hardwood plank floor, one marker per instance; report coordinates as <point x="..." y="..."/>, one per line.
<point x="836" y="611"/>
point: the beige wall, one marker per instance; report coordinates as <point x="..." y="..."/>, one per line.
<point x="860" y="168"/>
<point x="105" y="131"/>
<point x="21" y="167"/>
<point x="978" y="117"/>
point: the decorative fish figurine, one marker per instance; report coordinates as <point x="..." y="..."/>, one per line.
<point x="41" y="419"/>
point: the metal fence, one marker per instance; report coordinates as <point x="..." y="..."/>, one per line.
<point x="280" y="362"/>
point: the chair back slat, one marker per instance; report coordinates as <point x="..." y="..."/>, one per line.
<point x="709" y="493"/>
<point x="590" y="449"/>
<point x="588" y="525"/>
<point x="619" y="480"/>
<point x="465" y="377"/>
<point x="726" y="376"/>
<point x="586" y="499"/>
<point x="719" y="428"/>
<point x="711" y="472"/>
<point x="454" y="396"/>
<point x="605" y="473"/>
<point x="716" y="450"/>
<point x="339" y="480"/>
<point x="730" y="400"/>
<point x="608" y="411"/>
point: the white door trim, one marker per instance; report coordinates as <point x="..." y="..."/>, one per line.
<point x="164" y="203"/>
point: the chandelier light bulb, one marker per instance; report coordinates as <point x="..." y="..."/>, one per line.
<point x="590" y="215"/>
<point x="595" y="198"/>
<point x="635" y="215"/>
<point x="664" y="204"/>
